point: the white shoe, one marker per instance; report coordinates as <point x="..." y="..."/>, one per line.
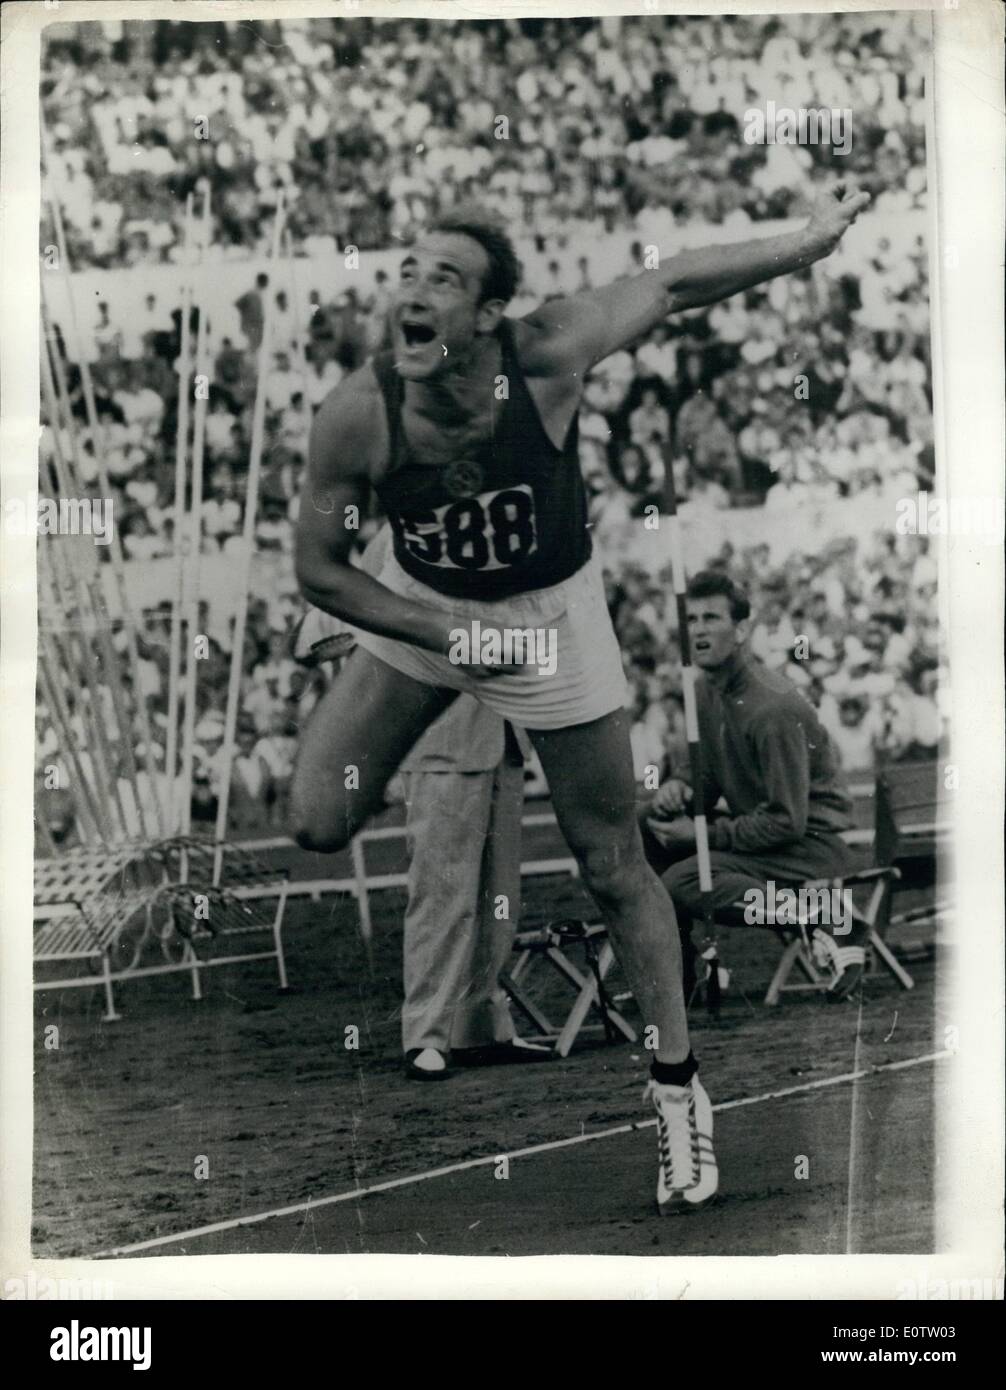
<point x="426" y="1064"/>
<point x="688" y="1169"/>
<point x="843" y="965"/>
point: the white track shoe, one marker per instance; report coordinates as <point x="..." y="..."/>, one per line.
<point x="843" y="966"/>
<point x="688" y="1172"/>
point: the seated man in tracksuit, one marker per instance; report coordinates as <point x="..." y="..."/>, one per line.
<point x="766" y="754"/>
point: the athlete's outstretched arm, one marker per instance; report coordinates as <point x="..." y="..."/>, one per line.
<point x="334" y="497"/>
<point x="573" y="334"/>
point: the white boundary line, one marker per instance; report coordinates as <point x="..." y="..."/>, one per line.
<point x="392" y="1183"/>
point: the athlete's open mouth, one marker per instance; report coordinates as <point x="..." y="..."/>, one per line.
<point x="416" y="334"/>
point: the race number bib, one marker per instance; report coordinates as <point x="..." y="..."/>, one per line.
<point x="492" y="531"/>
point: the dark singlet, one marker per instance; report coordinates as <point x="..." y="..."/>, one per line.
<point x="507" y="517"/>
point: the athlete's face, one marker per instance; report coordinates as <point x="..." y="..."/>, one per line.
<point x="438" y="310"/>
<point x="713" y="633"/>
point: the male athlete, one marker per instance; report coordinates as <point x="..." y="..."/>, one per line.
<point x="466" y="430"/>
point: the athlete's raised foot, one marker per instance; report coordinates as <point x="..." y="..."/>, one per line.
<point x="687" y="1177"/>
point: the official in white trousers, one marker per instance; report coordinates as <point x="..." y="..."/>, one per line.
<point x="464" y="793"/>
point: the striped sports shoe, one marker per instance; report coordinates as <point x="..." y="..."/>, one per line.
<point x="843" y="964"/>
<point x="688" y="1172"/>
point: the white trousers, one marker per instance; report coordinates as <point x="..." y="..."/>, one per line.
<point x="464" y="833"/>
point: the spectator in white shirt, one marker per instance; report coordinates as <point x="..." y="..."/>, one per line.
<point x="282" y="383"/>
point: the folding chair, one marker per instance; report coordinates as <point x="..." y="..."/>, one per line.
<point x="547" y="945"/>
<point x="911" y="825"/>
<point x="797" y="951"/>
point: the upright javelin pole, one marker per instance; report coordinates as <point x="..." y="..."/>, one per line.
<point x="72" y="483"/>
<point x="195" y="539"/>
<point x="98" y="443"/>
<point x="247" y="549"/>
<point x="181" y="446"/>
<point x="76" y="592"/>
<point x="709" y="952"/>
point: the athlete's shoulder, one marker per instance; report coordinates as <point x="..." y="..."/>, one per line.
<point x="557" y="337"/>
<point x="775" y="701"/>
<point x="348" y="430"/>
<point x="356" y="393"/>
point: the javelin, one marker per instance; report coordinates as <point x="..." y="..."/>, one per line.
<point x="178" y="529"/>
<point x="710" y="952"/>
<point x="244" y="562"/>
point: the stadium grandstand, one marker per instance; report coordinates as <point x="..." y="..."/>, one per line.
<point x="793" y="415"/>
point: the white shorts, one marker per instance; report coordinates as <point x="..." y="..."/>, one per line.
<point x="587" y="681"/>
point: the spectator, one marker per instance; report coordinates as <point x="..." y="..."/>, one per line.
<point x="252" y="311"/>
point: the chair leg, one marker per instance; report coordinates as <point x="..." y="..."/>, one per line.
<point x="786" y="962"/>
<point x="806" y="964"/>
<point x="586" y="999"/>
<point x="521" y="965"/>
<point x="893" y="965"/>
<point x="190" y="956"/>
<point x="531" y="1012"/>
<point x="109" y="1016"/>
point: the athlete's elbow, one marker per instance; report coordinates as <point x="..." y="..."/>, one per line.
<point x="320" y="582"/>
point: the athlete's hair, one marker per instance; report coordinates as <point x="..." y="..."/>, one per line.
<point x="503" y="276"/>
<point x="711" y="583"/>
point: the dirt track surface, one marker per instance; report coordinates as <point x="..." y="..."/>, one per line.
<point x="261" y="1087"/>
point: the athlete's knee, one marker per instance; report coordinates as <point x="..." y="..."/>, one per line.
<point x="322" y="839"/>
<point x="613" y="869"/>
<point x="682" y="881"/>
<point x="315" y="827"/>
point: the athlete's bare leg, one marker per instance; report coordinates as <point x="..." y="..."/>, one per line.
<point x="589" y="771"/>
<point x="356" y="738"/>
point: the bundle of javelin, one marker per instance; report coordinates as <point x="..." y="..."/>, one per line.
<point x="710" y="950"/>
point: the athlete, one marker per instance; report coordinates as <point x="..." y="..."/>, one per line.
<point x="466" y="431"/>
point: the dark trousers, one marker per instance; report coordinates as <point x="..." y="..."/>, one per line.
<point x="814" y="856"/>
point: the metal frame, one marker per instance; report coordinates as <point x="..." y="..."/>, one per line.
<point x="545" y="945"/>
<point x="797" y="951"/>
<point x="80" y="939"/>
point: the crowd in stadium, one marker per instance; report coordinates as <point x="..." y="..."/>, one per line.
<point x="815" y="388"/>
<point x="631" y="126"/>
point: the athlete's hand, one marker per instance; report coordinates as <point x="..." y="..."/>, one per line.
<point x="673" y="797"/>
<point x="833" y="214"/>
<point x="479" y="671"/>
<point x="332" y="648"/>
<point x="483" y="654"/>
<point x="488" y="670"/>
